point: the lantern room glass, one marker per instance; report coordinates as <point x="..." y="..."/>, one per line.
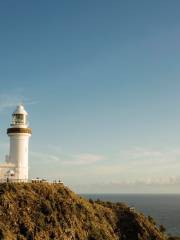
<point x="19" y="119"/>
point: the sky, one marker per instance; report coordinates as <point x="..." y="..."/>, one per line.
<point x="101" y="82"/>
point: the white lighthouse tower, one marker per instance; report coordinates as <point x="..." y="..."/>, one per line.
<point x="19" y="134"/>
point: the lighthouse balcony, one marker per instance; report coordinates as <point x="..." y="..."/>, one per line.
<point x="19" y="130"/>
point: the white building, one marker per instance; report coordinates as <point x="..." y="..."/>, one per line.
<point x="15" y="167"/>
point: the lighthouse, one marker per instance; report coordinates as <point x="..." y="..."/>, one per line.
<point x="19" y="134"/>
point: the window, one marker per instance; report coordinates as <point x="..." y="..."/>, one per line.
<point x="18" y="119"/>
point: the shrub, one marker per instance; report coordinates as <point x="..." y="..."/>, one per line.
<point x="46" y="207"/>
<point x="1" y="234"/>
<point x="23" y="229"/>
<point x="162" y="229"/>
<point x="151" y="219"/>
<point x="91" y="201"/>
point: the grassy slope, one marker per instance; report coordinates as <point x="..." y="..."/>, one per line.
<point x="47" y="211"/>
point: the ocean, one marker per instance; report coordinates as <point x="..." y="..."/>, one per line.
<point x="164" y="208"/>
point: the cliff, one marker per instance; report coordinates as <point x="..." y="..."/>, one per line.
<point x="51" y="211"/>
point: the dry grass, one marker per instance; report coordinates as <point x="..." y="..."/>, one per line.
<point x="51" y="211"/>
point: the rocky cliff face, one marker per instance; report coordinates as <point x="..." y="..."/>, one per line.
<point x="51" y="211"/>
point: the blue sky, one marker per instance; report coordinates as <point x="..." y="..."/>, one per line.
<point x="100" y="80"/>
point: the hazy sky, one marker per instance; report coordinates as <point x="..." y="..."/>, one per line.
<point x="101" y="82"/>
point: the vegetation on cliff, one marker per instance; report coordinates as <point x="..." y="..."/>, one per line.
<point x="51" y="211"/>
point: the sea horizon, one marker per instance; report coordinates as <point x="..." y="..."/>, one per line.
<point x="106" y="193"/>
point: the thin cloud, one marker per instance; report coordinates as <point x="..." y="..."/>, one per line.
<point x="142" y="163"/>
<point x="7" y="101"/>
<point x="154" y="185"/>
<point x="29" y="102"/>
<point x="166" y="180"/>
<point x="84" y="159"/>
<point x="144" y="156"/>
<point x="67" y="159"/>
<point x="12" y="100"/>
<point x="39" y="157"/>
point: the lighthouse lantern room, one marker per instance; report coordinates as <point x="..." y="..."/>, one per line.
<point x="19" y="117"/>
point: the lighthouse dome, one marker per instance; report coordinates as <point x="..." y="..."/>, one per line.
<point x="20" y="110"/>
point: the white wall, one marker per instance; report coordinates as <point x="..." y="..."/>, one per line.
<point x="19" y="153"/>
